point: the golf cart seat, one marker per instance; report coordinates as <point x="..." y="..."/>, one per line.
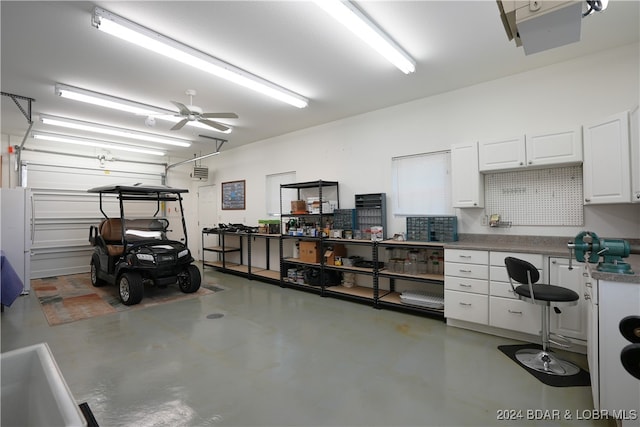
<point x="111" y="232"/>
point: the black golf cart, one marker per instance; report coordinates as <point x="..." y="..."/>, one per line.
<point x="133" y="249"/>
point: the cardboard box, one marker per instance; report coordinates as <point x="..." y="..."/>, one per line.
<point x="309" y="252"/>
<point x="330" y="255"/>
<point x="298" y="206"/>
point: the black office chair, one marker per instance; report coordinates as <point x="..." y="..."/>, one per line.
<point x="527" y="275"/>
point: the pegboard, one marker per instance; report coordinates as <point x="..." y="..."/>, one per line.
<point x="536" y="197"/>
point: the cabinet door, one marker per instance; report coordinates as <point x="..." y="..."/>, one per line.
<point x="606" y="172"/>
<point x="591" y="290"/>
<point x="467" y="185"/>
<point x="634" y="135"/>
<point x="554" y="148"/>
<point x="572" y="321"/>
<point x="508" y="153"/>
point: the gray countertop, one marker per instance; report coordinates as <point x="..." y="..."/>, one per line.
<point x="545" y="245"/>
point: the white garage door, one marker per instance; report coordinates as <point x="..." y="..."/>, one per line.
<point x="63" y="211"/>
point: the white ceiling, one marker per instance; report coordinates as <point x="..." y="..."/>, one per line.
<point x="292" y="43"/>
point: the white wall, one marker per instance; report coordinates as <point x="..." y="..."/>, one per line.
<point x="357" y="151"/>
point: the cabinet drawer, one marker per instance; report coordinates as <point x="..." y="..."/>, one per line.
<point x="465" y="284"/>
<point x="497" y="258"/>
<point x="515" y="315"/>
<point x="474" y="271"/>
<point x="502" y="289"/>
<point x="466" y="306"/>
<point x="499" y="274"/>
<point x="468" y="256"/>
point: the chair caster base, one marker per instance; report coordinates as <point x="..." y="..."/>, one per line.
<point x="548" y="363"/>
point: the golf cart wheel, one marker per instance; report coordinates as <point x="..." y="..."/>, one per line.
<point x="130" y="288"/>
<point x="189" y="280"/>
<point x="95" y="268"/>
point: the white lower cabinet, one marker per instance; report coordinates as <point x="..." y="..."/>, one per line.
<point x="506" y="311"/>
<point x="572" y="321"/>
<point x="466" y="285"/>
<point x="591" y="299"/>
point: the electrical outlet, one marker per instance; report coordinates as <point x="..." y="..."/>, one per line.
<point x="485" y="220"/>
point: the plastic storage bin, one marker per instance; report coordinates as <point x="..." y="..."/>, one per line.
<point x="34" y="393"/>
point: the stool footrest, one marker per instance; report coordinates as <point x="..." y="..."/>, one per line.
<point x="562" y="341"/>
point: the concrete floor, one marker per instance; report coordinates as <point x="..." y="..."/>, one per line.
<point x="281" y="357"/>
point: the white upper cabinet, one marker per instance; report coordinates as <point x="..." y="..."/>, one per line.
<point x="467" y="185"/>
<point x="554" y="148"/>
<point x="634" y="135"/>
<point x="606" y="171"/>
<point x="531" y="150"/>
<point x="501" y="154"/>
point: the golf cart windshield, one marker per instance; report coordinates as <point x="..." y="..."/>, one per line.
<point x="146" y="229"/>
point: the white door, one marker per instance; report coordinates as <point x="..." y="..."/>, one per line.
<point x="207" y="211"/>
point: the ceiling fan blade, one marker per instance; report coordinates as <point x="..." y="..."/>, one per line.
<point x="184" y="111"/>
<point x="215" y="125"/>
<point x="180" y="124"/>
<point x="219" y="115"/>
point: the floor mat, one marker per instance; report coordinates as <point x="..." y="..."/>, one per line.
<point x="69" y="298"/>
<point x="581" y="379"/>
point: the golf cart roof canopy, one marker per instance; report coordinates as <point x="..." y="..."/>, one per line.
<point x="137" y="189"/>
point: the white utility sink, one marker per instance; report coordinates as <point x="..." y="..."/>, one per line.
<point x="34" y="393"/>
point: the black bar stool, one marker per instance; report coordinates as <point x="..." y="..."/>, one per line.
<point x="526" y="274"/>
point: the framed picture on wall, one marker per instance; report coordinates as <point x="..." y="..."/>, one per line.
<point x="233" y="193"/>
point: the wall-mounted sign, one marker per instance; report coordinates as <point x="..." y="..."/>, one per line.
<point x="233" y="193"/>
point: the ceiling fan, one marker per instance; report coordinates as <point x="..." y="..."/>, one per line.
<point x="190" y="113"/>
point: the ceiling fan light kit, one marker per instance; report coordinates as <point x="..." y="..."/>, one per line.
<point x="129" y="31"/>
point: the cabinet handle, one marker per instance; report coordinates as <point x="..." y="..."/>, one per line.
<point x="530" y="162"/>
<point x="554" y="262"/>
<point x="465" y="271"/>
<point x="466" y="304"/>
<point x="515" y="312"/>
<point x="464" y="256"/>
<point x="521" y="163"/>
<point x="588" y="284"/>
<point x="464" y="285"/>
<point x="587" y="200"/>
<point x="587" y="296"/>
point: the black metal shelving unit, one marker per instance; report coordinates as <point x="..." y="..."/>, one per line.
<point x="316" y="189"/>
<point x="261" y="273"/>
<point x="221" y="249"/>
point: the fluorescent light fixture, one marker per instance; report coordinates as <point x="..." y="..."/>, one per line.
<point x="110" y="130"/>
<point x="87" y="142"/>
<point x="155" y="42"/>
<point x="108" y="101"/>
<point x="349" y="15"/>
<point x="121" y="104"/>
